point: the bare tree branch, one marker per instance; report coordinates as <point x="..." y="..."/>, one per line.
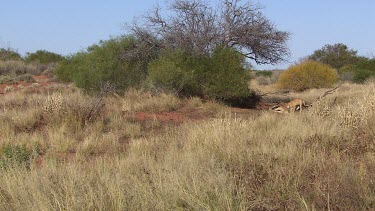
<point x="197" y="28"/>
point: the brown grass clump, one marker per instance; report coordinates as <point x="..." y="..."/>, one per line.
<point x="320" y="159"/>
<point x="16" y="67"/>
<point x="135" y="100"/>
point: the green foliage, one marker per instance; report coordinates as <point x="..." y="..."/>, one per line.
<point x="336" y="55"/>
<point x="13" y="155"/>
<point x="8" y="54"/>
<point x="104" y="63"/>
<point x="220" y="76"/>
<point x="364" y="70"/>
<point x="308" y="75"/>
<point x="172" y="72"/>
<point x="227" y="77"/>
<point x="67" y="68"/>
<point x="43" y="57"/>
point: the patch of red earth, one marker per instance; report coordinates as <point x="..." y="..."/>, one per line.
<point x="194" y="115"/>
<point x="42" y="80"/>
<point x="163" y="117"/>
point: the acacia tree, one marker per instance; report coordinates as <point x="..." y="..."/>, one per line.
<point x="336" y="55"/>
<point x="196" y="27"/>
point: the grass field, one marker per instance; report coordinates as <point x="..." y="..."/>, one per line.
<point x="69" y="151"/>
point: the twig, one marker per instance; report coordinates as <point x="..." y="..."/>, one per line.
<point x="331" y="91"/>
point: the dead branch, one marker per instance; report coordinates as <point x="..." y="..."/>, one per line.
<point x="331" y="91"/>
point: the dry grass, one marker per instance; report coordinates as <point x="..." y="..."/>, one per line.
<point x="321" y="159"/>
<point x="136" y="100"/>
<point x="17" y="68"/>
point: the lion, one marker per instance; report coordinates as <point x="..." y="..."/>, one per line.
<point x="292" y="106"/>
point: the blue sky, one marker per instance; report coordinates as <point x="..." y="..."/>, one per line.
<point x="69" y="26"/>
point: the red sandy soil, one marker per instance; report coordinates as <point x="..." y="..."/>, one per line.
<point x="42" y="80"/>
<point x="173" y="117"/>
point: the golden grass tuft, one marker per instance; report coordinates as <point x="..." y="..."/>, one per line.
<point x="136" y="100"/>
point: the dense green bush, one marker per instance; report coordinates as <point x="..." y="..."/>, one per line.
<point x="8" y="54"/>
<point x="43" y="57"/>
<point x="220" y="76"/>
<point x="337" y="55"/>
<point x="364" y="70"/>
<point x="308" y="75"/>
<point x="173" y="72"/>
<point x="102" y="64"/>
<point x="227" y="77"/>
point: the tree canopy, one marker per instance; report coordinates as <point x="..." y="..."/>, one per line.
<point x="196" y="27"/>
<point x="43" y="57"/>
<point x="336" y="55"/>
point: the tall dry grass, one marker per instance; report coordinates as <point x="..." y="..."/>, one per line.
<point x="320" y="159"/>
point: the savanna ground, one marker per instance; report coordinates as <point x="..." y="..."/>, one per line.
<point x="64" y="150"/>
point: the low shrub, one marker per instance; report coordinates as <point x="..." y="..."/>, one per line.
<point x="7" y="79"/>
<point x="43" y="57"/>
<point x="25" y="77"/>
<point x="105" y="63"/>
<point x="307" y="75"/>
<point x="219" y="76"/>
<point x="364" y="70"/>
<point x="15" y="156"/>
<point x="17" y="68"/>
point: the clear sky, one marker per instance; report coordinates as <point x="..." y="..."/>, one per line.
<point x="69" y="26"/>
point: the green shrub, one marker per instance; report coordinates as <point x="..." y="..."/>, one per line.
<point x="336" y="55"/>
<point x="220" y="76"/>
<point x="67" y="68"/>
<point x="226" y="78"/>
<point x="8" y="54"/>
<point x="308" y="75"/>
<point x="364" y="70"/>
<point x="172" y="72"/>
<point x="13" y="155"/>
<point x="43" y="57"/>
<point x="104" y="63"/>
